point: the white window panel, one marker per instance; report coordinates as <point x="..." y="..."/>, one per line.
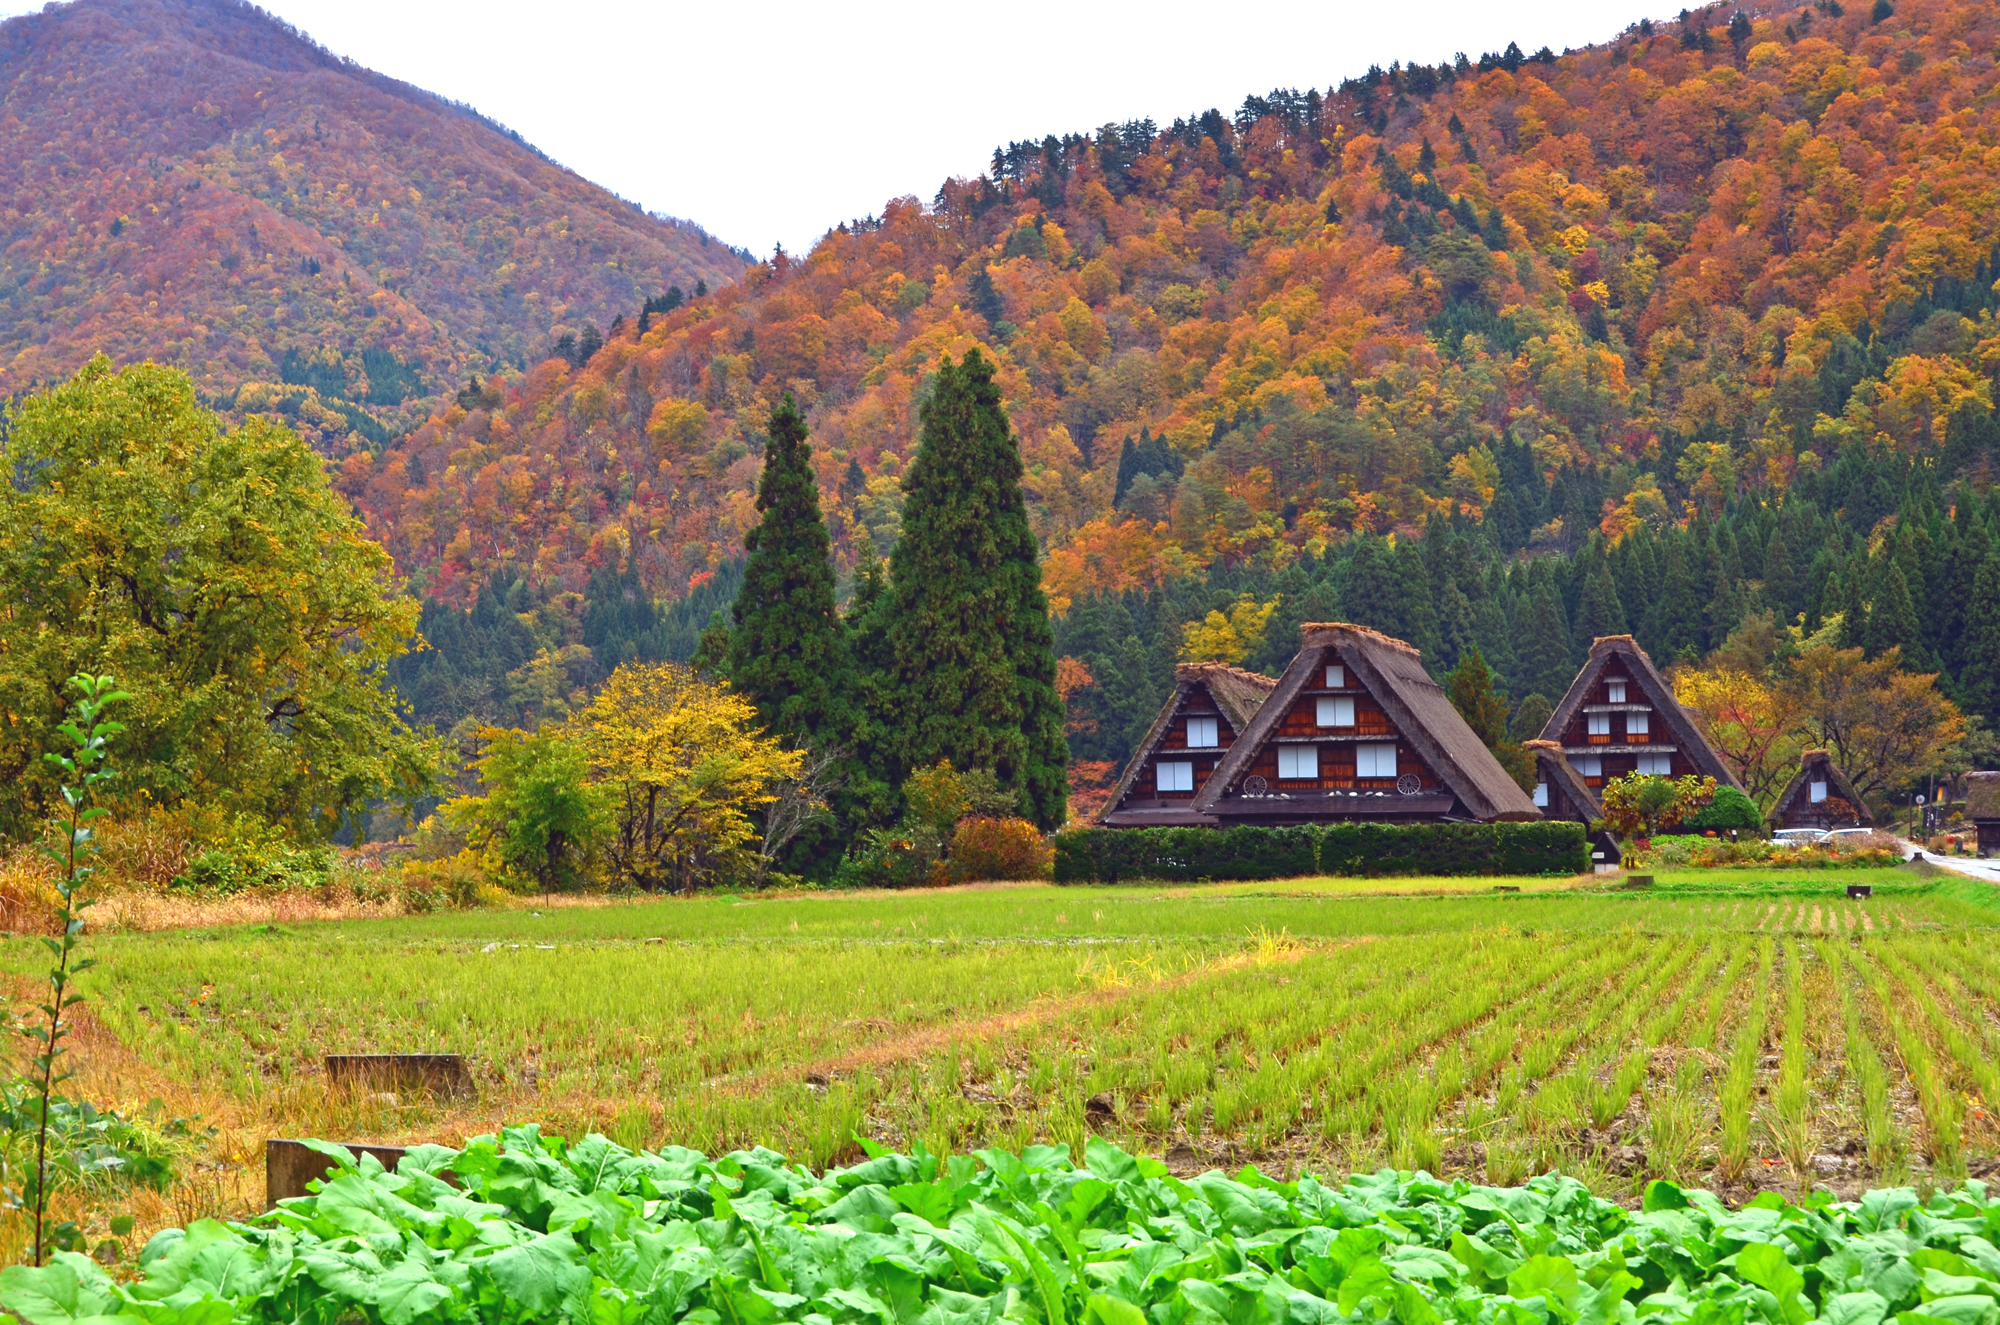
<point x="1374" y="761"/>
<point x="1337" y="711"/>
<point x="1639" y="724"/>
<point x="1598" y="724"/>
<point x="1591" y="766"/>
<point x="1657" y="766"/>
<point x="1616" y="691"/>
<point x="1298" y="761"/>
<point x="1542" y="795"/>
<point x="1336" y="676"/>
<point x="1175" y="775"/>
<point x="1817" y="792"/>
<point x="1201" y="734"/>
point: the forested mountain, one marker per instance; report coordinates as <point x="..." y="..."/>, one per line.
<point x="195" y="182"/>
<point x="1655" y="301"/>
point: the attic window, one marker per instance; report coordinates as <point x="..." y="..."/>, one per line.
<point x="1174" y="775"/>
<point x="1591" y="766"/>
<point x="1656" y="766"/>
<point x="1541" y="795"/>
<point x="1816" y="792"/>
<point x="1615" y="691"/>
<point x="1201" y="734"/>
<point x="1298" y="761"/>
<point x="1336" y="677"/>
<point x="1336" y="712"/>
<point x="1638" y="724"/>
<point x="1597" y="724"/>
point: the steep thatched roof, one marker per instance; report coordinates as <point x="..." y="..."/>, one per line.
<point x="1393" y="673"/>
<point x="1239" y="694"/>
<point x="1607" y="649"/>
<point x="1818" y="766"/>
<point x="1558" y="772"/>
<point x="1982" y="795"/>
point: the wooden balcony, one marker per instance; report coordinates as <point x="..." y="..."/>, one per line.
<point x="1604" y="739"/>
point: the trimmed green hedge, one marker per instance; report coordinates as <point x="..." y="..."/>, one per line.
<point x="1246" y="852"/>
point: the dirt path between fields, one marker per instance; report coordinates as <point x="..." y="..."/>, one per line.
<point x="930" y="1039"/>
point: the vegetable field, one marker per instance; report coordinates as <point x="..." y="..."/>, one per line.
<point x="527" y="1228"/>
<point x="1731" y="1036"/>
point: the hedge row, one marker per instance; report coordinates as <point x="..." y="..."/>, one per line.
<point x="1109" y="855"/>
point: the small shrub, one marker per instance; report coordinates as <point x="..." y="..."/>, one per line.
<point x="1730" y="811"/>
<point x="993" y="848"/>
<point x="455" y="883"/>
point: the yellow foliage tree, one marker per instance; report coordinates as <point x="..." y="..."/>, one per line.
<point x="1748" y="721"/>
<point x="1227" y="639"/>
<point x="687" y="766"/>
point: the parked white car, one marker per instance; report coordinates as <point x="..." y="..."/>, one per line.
<point x="1800" y="837"/>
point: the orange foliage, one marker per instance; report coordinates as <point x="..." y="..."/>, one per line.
<point x="204" y="186"/>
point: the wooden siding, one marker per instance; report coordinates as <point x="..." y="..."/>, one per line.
<point x="1300" y="726"/>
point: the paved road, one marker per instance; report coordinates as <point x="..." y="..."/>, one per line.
<point x="1988" y="870"/>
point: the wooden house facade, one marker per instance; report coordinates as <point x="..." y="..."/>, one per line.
<point x="1356" y="729"/>
<point x="1210" y="707"/>
<point x="1982" y="809"/>
<point x="1820" y="796"/>
<point x="1620" y="717"/>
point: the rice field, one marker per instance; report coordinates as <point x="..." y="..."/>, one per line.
<point x="1737" y="1033"/>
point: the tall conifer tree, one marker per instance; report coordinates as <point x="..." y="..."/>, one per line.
<point x="787" y="653"/>
<point x="974" y="655"/>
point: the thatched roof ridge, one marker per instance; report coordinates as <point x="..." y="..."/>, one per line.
<point x="1821" y="762"/>
<point x="1344" y="630"/>
<point x="1391" y="671"/>
<point x="1982" y="795"/>
<point x="1239" y="694"/>
<point x="1606" y="649"/>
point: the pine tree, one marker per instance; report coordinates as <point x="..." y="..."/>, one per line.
<point x="787" y="652"/>
<point x="1598" y="611"/>
<point x="1679" y="614"/>
<point x="1980" y="680"/>
<point x="1471" y="690"/>
<point x="1372" y="596"/>
<point x="1892" y="619"/>
<point x="974" y="656"/>
<point x="1544" y="636"/>
<point x="1781" y="591"/>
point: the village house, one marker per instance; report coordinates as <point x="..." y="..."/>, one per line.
<point x="1620" y="717"/>
<point x="1982" y="809"/>
<point x="1356" y="729"/>
<point x="1820" y="796"/>
<point x="1211" y="704"/>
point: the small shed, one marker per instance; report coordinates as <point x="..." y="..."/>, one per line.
<point x="1820" y="796"/>
<point x="1982" y="808"/>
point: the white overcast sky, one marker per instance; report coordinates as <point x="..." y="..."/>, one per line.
<point x="771" y="122"/>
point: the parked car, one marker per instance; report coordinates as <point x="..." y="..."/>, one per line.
<point x="1801" y="837"/>
<point x="1851" y="832"/>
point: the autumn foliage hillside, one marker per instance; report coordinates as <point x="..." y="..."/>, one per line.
<point x="1686" y="263"/>
<point x="192" y="181"/>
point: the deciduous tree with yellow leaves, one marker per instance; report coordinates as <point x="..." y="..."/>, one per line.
<point x="686" y="768"/>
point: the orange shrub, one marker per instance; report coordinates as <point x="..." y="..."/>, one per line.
<point x="1000" y="849"/>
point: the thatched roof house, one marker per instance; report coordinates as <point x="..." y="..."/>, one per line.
<point x="1560" y="791"/>
<point x="1356" y="729"/>
<point x="1982" y="808"/>
<point x="1820" y="796"/>
<point x="1620" y="717"/>
<point x="1210" y="706"/>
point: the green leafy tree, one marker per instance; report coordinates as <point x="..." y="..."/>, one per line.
<point x="220" y="576"/>
<point x="787" y="652"/>
<point x="1471" y="689"/>
<point x="968" y="630"/>
<point x="540" y="819"/>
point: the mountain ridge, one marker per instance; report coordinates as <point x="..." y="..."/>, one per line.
<point x="283" y="198"/>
